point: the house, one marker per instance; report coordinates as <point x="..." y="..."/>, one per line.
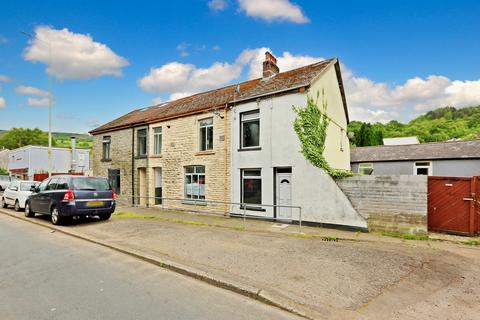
<point x="27" y="161"/>
<point x="4" y="158"/>
<point x="221" y="149"/>
<point x="451" y="158"/>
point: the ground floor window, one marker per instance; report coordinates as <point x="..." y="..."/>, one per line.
<point x="195" y="182"/>
<point x="422" y="168"/>
<point x="251" y="186"/>
<point x="114" y="179"/>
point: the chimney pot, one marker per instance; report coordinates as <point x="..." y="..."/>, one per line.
<point x="270" y="67"/>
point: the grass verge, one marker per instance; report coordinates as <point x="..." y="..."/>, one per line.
<point x="406" y="236"/>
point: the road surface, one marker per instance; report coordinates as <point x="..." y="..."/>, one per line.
<point x="49" y="275"/>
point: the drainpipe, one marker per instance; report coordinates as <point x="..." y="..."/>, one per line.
<point x="147" y="170"/>
<point x="133" y="166"/>
<point x="225" y="133"/>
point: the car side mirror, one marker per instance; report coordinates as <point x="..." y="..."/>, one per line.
<point x="33" y="189"/>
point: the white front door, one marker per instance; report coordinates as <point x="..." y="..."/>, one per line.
<point x="284" y="195"/>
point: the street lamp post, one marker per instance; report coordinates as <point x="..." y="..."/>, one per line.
<point x="49" y="103"/>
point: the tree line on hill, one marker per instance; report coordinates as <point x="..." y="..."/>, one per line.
<point x="437" y="125"/>
<point x="20" y="137"/>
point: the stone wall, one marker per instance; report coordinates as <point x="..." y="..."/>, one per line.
<point x="121" y="158"/>
<point x="180" y="148"/>
<point x="395" y="203"/>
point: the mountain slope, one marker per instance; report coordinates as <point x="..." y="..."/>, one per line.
<point x="437" y="125"/>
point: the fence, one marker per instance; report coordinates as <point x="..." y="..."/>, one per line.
<point x="199" y="203"/>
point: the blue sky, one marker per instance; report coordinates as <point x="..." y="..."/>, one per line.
<point x="399" y="58"/>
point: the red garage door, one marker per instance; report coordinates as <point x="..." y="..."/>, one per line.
<point x="453" y="205"/>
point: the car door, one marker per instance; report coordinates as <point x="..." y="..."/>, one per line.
<point x="48" y="195"/>
<point x="36" y="199"/>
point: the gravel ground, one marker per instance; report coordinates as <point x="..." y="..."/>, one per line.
<point x="332" y="280"/>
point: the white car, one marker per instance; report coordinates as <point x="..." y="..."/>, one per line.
<point x="16" y="194"/>
<point x="4" y="182"/>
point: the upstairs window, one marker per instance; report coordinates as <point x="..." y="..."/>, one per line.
<point x="142" y="142"/>
<point x="206" y="134"/>
<point x="195" y="182"/>
<point x="106" y="143"/>
<point x="422" y="168"/>
<point x="365" y="168"/>
<point x="250" y="129"/>
<point x="157" y="141"/>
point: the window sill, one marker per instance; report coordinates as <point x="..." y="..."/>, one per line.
<point x="156" y="156"/>
<point x="248" y="208"/>
<point x="193" y="202"/>
<point x="141" y="157"/>
<point x="204" y="153"/>
<point x="250" y="149"/>
<point x="106" y="160"/>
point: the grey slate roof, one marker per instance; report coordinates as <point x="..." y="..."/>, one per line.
<point x="425" y="151"/>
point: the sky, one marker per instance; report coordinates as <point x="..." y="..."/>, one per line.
<point x="399" y="59"/>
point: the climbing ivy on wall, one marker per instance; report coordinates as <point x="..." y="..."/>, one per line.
<point x="311" y="127"/>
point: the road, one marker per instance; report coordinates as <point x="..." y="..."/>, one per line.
<point x="49" y="275"/>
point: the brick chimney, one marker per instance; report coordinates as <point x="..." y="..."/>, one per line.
<point x="270" y="67"/>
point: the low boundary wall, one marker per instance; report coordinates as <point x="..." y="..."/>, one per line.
<point x="396" y="203"/>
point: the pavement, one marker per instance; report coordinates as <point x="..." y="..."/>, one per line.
<point x="50" y="275"/>
<point x="319" y="273"/>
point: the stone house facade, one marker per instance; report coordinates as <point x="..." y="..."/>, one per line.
<point x="222" y="149"/>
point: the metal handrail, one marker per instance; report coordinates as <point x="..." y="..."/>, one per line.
<point x="243" y="206"/>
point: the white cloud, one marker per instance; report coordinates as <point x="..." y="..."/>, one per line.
<point x="4" y="78"/>
<point x="157" y="100"/>
<point x="182" y="49"/>
<point x="37" y="102"/>
<point x="31" y="91"/>
<point x="217" y="5"/>
<point x="3" y="103"/>
<point x="73" y="55"/>
<point x="273" y="10"/>
<point x="377" y="101"/>
<point x="287" y="61"/>
<point x="180" y="79"/>
<point x="367" y="100"/>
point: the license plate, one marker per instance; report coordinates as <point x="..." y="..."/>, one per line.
<point x="95" y="203"/>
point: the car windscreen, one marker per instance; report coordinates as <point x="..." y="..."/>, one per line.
<point x="90" y="183"/>
<point x="26" y="186"/>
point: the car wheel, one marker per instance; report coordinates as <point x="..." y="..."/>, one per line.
<point x="16" y="206"/>
<point x="55" y="216"/>
<point x="28" y="212"/>
<point x="105" y="216"/>
<point x="3" y="203"/>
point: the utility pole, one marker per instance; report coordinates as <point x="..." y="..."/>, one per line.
<point x="49" y="103"/>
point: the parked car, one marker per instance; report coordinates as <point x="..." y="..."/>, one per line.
<point x="63" y="197"/>
<point x="17" y="193"/>
<point x="5" y="182"/>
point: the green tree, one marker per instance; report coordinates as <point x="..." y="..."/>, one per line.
<point x="20" y="137"/>
<point x="3" y="172"/>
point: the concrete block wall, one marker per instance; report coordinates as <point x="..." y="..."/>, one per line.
<point x="395" y="203"/>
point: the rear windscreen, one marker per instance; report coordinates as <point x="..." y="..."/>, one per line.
<point x="26" y="186"/>
<point x="93" y="184"/>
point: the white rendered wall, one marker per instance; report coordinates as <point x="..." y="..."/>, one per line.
<point x="318" y="195"/>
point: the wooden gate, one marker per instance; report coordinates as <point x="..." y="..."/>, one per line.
<point x="453" y="205"/>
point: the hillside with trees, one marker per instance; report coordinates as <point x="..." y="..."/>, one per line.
<point x="20" y="137"/>
<point x="437" y="125"/>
